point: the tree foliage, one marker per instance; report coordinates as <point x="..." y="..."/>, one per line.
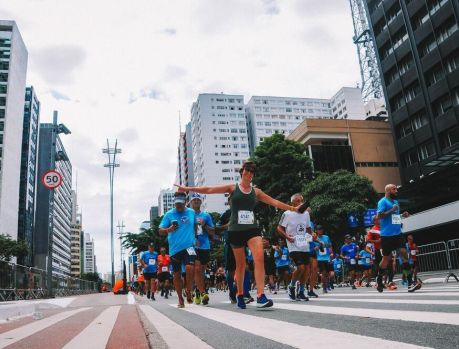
<point x="333" y="196"/>
<point x="283" y="169"/>
<point x="10" y="248"/>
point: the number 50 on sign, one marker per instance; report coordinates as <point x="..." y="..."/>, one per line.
<point x="52" y="179"/>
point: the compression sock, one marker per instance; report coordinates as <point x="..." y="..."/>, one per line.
<point x="247" y="276"/>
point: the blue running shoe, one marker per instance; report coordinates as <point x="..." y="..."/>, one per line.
<point x="263" y="302"/>
<point x="240" y="302"/>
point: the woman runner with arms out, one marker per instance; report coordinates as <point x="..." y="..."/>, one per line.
<point x="243" y="231"/>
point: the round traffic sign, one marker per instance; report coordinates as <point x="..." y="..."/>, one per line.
<point x="52" y="179"/>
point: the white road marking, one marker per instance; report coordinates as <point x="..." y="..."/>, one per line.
<point x="404" y="315"/>
<point x="292" y="334"/>
<point x="130" y="298"/>
<point x="22" y="332"/>
<point x="379" y="300"/>
<point x="172" y="333"/>
<point x="97" y="333"/>
<point x="405" y="293"/>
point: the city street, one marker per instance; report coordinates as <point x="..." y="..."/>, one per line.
<point x="343" y="318"/>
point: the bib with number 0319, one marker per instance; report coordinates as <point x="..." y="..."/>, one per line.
<point x="396" y="219"/>
<point x="245" y="217"/>
<point x="191" y="251"/>
<point x="164" y="269"/>
<point x="152" y="261"/>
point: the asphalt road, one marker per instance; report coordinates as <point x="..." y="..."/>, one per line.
<point x="341" y="319"/>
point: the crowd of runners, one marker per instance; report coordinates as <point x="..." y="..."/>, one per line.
<point x="301" y="259"/>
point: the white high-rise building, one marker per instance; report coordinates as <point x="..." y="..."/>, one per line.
<point x="376" y="107"/>
<point x="13" y="69"/>
<point x="347" y="103"/>
<point x="89" y="257"/>
<point x="220" y="143"/>
<point x="267" y="115"/>
<point x="165" y="201"/>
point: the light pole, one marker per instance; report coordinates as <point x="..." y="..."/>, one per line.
<point x="121" y="233"/>
<point x="54" y="157"/>
<point x="111" y="153"/>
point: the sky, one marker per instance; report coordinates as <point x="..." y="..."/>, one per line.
<point x="125" y="70"/>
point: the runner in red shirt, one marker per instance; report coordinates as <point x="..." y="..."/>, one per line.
<point x="412" y="255"/>
<point x="164" y="275"/>
<point x="374" y="236"/>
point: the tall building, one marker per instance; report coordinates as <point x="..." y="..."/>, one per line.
<point x="28" y="179"/>
<point x="220" y="143"/>
<point x="13" y="69"/>
<point x="89" y="257"/>
<point x="165" y="201"/>
<point x="154" y="213"/>
<point x="75" y="237"/>
<point x="417" y="44"/>
<point x="181" y="157"/>
<point x="418" y="54"/>
<point x="347" y="103"/>
<point x="189" y="174"/>
<point x="55" y="205"/>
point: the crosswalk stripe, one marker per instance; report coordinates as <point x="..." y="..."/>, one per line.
<point x="96" y="334"/>
<point x="408" y="315"/>
<point x="379" y="300"/>
<point x="420" y="293"/>
<point x="172" y="333"/>
<point x="292" y="334"/>
<point x="22" y="332"/>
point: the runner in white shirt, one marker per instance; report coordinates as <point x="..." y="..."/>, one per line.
<point x="295" y="227"/>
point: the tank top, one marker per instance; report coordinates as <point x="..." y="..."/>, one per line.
<point x="242" y="206"/>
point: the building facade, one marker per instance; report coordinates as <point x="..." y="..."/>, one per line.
<point x="76" y="231"/>
<point x="165" y="201"/>
<point x="54" y="209"/>
<point x="89" y="257"/>
<point x="418" y="54"/>
<point x="28" y="179"/>
<point x="347" y="103"/>
<point x="189" y="174"/>
<point x="361" y="146"/>
<point x="13" y="69"/>
<point x="220" y="143"/>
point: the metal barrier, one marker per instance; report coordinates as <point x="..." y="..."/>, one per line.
<point x="453" y="255"/>
<point x="18" y="282"/>
<point x="433" y="257"/>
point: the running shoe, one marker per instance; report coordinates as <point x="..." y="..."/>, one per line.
<point x="148" y="294"/>
<point x="205" y="299"/>
<point x="152" y="297"/>
<point x="291" y="293"/>
<point x="197" y="297"/>
<point x="248" y="299"/>
<point x="189" y="297"/>
<point x="263" y="302"/>
<point x="380" y="286"/>
<point x="302" y="297"/>
<point x="312" y="294"/>
<point x="165" y="296"/>
<point x="353" y="287"/>
<point x="232" y="297"/>
<point x="324" y="290"/>
<point x="240" y="302"/>
<point x="181" y="305"/>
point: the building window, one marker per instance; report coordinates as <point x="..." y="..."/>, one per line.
<point x="449" y="138"/>
<point x="452" y="62"/>
<point x="418" y="120"/>
<point x="434" y="75"/>
<point x="442" y="105"/>
<point x="409" y="158"/>
<point x="426" y="150"/>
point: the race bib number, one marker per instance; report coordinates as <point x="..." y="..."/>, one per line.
<point x="199" y="232"/>
<point x="396" y="219"/>
<point x="191" y="251"/>
<point x="284" y="257"/>
<point x="353" y="261"/>
<point x="245" y="217"/>
<point x="338" y="266"/>
<point x="152" y="261"/>
<point x="360" y="262"/>
<point x="164" y="269"/>
<point x="413" y="252"/>
<point x="301" y="241"/>
<point x="323" y="253"/>
<point x="368" y="260"/>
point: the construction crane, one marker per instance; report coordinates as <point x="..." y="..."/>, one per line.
<point x="371" y="80"/>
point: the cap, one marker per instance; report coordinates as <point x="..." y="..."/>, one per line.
<point x="195" y="196"/>
<point x="347" y="237"/>
<point x="151" y="244"/>
<point x="179" y="198"/>
<point x="319" y="227"/>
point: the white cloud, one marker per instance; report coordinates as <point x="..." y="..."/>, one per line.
<point x="125" y="70"/>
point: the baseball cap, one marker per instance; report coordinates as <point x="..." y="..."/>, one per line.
<point x="196" y="196"/>
<point x="179" y="198"/>
<point x="347" y="237"/>
<point x="319" y="227"/>
<point x="151" y="244"/>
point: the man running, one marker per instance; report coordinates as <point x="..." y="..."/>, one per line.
<point x="295" y="227"/>
<point x="374" y="237"/>
<point x="413" y="251"/>
<point x="323" y="257"/>
<point x="148" y="261"/>
<point x="391" y="234"/>
<point x="282" y="263"/>
<point x="349" y="252"/>
<point x="270" y="264"/>
<point x="164" y="262"/>
<point x="205" y="230"/>
<point x="338" y="269"/>
<point x="180" y="225"/>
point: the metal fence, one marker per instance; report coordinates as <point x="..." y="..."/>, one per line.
<point x="21" y="282"/>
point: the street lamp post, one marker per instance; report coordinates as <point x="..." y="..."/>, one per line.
<point x="121" y="234"/>
<point x="111" y="153"/>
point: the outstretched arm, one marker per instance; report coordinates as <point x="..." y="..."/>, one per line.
<point x="263" y="197"/>
<point x="218" y="189"/>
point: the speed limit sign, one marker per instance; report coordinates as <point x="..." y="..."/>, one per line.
<point x="52" y="179"/>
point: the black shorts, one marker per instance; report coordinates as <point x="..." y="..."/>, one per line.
<point x="364" y="267"/>
<point x="220" y="278"/>
<point x="182" y="257"/>
<point x="283" y="269"/>
<point x="149" y="276"/>
<point x="299" y="258"/>
<point x="203" y="256"/>
<point x="230" y="261"/>
<point x="414" y="264"/>
<point x="164" y="276"/>
<point x="351" y="267"/>
<point x="378" y="257"/>
<point x="391" y="243"/>
<point x="324" y="266"/>
<point x="270" y="267"/>
<point x="239" y="238"/>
